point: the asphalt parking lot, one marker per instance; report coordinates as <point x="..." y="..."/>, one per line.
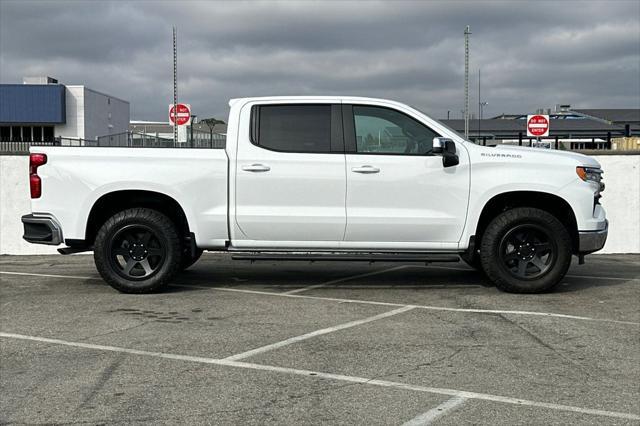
<point x="327" y="342"/>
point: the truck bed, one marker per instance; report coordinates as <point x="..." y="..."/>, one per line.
<point x="74" y="178"/>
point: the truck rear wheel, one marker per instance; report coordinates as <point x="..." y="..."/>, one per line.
<point x="137" y="251"/>
<point x="525" y="250"/>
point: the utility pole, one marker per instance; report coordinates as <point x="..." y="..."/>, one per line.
<point x="467" y="32"/>
<point x="175" y="85"/>
<point x="479" y="106"/>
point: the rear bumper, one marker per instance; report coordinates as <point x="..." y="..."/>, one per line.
<point x="590" y="241"/>
<point x="41" y="229"/>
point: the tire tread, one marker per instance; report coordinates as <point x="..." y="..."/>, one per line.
<point x="493" y="234"/>
<point x="155" y="219"/>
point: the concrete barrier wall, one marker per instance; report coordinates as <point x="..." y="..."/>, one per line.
<point x="15" y="202"/>
<point x="621" y="200"/>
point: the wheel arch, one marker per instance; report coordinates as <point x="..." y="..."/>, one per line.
<point x="112" y="202"/>
<point x="551" y="203"/>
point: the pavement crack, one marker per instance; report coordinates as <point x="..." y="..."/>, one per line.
<point x="130" y="327"/>
<point x="539" y="340"/>
<point x="106" y="374"/>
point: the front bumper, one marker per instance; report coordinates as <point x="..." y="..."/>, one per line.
<point x="41" y="230"/>
<point x="590" y="241"/>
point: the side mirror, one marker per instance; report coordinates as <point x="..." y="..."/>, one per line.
<point x="438" y="145"/>
<point x="447" y="148"/>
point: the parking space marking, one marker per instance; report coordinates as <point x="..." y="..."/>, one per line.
<point x="568" y="275"/>
<point x="340" y="280"/>
<point x="601" y="278"/>
<point x="426" y="307"/>
<point x="331" y="376"/>
<point x="369" y="302"/>
<point x="76" y="277"/>
<point x="428" y="417"/>
<point x="369" y="274"/>
<point x="327" y="330"/>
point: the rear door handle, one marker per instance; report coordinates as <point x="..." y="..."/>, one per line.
<point x="365" y="169"/>
<point x="256" y="168"/>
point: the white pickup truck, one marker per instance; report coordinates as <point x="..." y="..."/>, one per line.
<point x="321" y="178"/>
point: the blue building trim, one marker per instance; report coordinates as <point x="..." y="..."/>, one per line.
<point x="32" y="104"/>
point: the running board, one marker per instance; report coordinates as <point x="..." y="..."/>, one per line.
<point x="348" y="256"/>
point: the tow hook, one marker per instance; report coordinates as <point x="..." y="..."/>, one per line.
<point x="580" y="259"/>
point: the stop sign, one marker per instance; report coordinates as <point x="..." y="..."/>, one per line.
<point x="537" y="125"/>
<point x="180" y="115"/>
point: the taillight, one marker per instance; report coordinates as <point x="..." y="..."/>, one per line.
<point x="35" y="183"/>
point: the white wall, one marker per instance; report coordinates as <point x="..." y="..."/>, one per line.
<point x="74" y="114"/>
<point x="14" y="203"/>
<point x="621" y="199"/>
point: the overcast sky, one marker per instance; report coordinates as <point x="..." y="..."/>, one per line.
<point x="532" y="54"/>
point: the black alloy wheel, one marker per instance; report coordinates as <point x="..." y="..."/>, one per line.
<point x="136" y="252"/>
<point x="527" y="251"/>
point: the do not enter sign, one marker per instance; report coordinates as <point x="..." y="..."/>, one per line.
<point x="537" y="125"/>
<point x="180" y="115"/>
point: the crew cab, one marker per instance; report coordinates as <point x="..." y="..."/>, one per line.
<point x="313" y="178"/>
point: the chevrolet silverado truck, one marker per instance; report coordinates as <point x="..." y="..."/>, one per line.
<point x="320" y="178"/>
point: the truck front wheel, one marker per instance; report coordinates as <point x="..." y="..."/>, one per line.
<point x="138" y="251"/>
<point x="525" y="250"/>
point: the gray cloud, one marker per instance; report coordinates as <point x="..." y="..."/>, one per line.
<point x="532" y="54"/>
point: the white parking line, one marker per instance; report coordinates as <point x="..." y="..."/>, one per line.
<point x="76" y="277"/>
<point x="428" y="417"/>
<point x="568" y="275"/>
<point x="338" y="377"/>
<point x="365" y="302"/>
<point x="327" y="330"/>
<point x="339" y="280"/>
<point x="433" y="308"/>
<point x="328" y="283"/>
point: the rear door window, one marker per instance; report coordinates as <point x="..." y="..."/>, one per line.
<point x="292" y="128"/>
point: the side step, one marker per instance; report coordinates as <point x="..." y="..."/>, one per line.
<point x="348" y="256"/>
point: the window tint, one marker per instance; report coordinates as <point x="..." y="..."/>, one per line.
<point x="385" y="131"/>
<point x="293" y="128"/>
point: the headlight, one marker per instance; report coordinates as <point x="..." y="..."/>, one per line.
<point x="589" y="174"/>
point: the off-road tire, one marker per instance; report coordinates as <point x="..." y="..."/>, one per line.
<point x="188" y="259"/>
<point x="164" y="239"/>
<point x="496" y="263"/>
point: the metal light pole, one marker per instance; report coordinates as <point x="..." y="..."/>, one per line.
<point x="175" y="85"/>
<point x="479" y="107"/>
<point x="482" y="105"/>
<point x="467" y="32"/>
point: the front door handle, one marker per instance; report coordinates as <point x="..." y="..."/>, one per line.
<point x="365" y="169"/>
<point x="256" y="168"/>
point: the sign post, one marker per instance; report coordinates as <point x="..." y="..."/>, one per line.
<point x="537" y="126"/>
<point x="181" y="115"/>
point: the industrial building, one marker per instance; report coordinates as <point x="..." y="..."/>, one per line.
<point x="43" y="110"/>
